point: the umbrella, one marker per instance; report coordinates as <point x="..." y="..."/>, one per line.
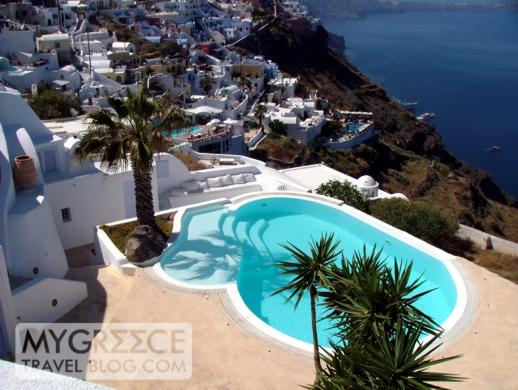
<point x="229" y="121"/>
<point x="213" y="122"/>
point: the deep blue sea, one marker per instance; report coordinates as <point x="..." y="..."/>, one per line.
<point x="463" y="66"/>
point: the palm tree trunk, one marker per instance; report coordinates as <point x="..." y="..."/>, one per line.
<point x="316" y="352"/>
<point x="144" y="199"/>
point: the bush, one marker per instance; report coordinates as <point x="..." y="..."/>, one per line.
<point x="52" y="104"/>
<point x="277" y="127"/>
<point x="345" y="192"/>
<point x="418" y="218"/>
<point x="191" y="162"/>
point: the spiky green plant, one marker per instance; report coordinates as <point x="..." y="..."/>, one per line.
<point x="364" y="292"/>
<point x="309" y="271"/>
<point x="397" y="361"/>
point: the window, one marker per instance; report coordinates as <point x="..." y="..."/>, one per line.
<point x="65" y="215"/>
<point x="162" y="168"/>
<point x="57" y="45"/>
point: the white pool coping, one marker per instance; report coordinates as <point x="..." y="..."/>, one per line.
<point x="462" y="304"/>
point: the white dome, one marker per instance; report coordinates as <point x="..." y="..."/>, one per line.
<point x="367" y="182"/>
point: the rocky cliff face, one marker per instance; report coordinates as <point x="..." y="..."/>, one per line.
<point x="408" y="156"/>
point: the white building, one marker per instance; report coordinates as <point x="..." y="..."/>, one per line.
<point x="302" y="121"/>
<point x="124" y="47"/>
<point x="17" y="40"/>
<point x="31" y="247"/>
<point x="37" y="68"/>
<point x="61" y="43"/>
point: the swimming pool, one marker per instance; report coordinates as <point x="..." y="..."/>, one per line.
<point x="187" y="131"/>
<point x="238" y="246"/>
<point x="354" y="127"/>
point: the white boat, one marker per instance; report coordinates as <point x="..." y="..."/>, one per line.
<point x="426" y="116"/>
<point x="410" y="106"/>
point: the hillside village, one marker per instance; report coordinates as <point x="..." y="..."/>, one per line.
<point x="92" y="54"/>
<point x="70" y="73"/>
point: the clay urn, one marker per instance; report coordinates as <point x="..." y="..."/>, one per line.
<point x="24" y="172"/>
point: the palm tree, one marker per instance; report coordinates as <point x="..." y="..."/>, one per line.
<point x="309" y="271"/>
<point x="130" y="132"/>
<point x="259" y="112"/>
<point x="206" y="83"/>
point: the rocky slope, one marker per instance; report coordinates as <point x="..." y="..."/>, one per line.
<point x="408" y="156"/>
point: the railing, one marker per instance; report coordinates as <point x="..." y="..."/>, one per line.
<point x="206" y="138"/>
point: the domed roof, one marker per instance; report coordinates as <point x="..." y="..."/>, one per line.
<point x="366" y="182"/>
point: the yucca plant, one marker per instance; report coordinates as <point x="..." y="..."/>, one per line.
<point x="309" y="271"/>
<point x="378" y="327"/>
<point x="396" y="362"/>
<point x="365" y="291"/>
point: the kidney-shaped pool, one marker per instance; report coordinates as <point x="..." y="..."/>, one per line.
<point x="228" y="245"/>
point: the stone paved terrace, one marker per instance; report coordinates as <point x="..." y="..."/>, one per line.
<point x="226" y="356"/>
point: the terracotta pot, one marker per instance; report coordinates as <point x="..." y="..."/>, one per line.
<point x="24" y="172"/>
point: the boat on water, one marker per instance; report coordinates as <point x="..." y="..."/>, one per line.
<point x="495" y="148"/>
<point x="426" y="116"/>
<point x="410" y="106"/>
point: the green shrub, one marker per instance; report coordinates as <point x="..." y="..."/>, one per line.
<point x="277" y="127"/>
<point x="52" y="104"/>
<point x="418" y="218"/>
<point x="345" y="192"/>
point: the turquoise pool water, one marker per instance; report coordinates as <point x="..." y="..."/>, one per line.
<point x="219" y="246"/>
<point x="354" y="127"/>
<point x="187" y="131"/>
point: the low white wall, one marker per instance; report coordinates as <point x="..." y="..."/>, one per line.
<point x="110" y="254"/>
<point x="479" y="237"/>
<point x="15" y="376"/>
<point x="33" y="302"/>
<point x="360" y="138"/>
<point x="213" y="195"/>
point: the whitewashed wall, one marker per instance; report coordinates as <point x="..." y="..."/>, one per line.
<point x="34" y="301"/>
<point x="93" y="199"/>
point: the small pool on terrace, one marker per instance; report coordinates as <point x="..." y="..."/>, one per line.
<point x="218" y="246"/>
<point x="187" y="131"/>
<point x="354" y="127"/>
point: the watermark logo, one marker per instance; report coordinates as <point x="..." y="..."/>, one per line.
<point x="123" y="351"/>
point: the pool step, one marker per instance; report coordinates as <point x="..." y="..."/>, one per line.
<point x="256" y="233"/>
<point x="226" y="226"/>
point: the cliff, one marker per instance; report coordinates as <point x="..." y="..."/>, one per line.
<point x="408" y="156"/>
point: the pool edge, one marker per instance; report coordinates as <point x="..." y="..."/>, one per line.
<point x="456" y="322"/>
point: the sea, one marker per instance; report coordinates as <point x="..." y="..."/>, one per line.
<point x="462" y="66"/>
